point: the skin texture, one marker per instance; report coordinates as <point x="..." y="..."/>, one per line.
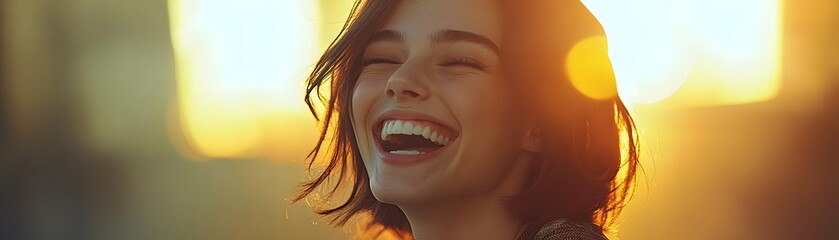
<point x="457" y="194"/>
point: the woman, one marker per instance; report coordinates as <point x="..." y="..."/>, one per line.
<point x="455" y="119"/>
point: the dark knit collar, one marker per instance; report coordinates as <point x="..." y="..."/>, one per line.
<point x="564" y="229"/>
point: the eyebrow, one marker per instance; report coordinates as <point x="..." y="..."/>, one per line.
<point x="448" y="35"/>
<point x="388" y="36"/>
<point x="441" y="36"/>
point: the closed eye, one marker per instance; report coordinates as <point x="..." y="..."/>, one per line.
<point x="378" y="60"/>
<point x="464" y="61"/>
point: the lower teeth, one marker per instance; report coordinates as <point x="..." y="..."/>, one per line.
<point x="406" y="152"/>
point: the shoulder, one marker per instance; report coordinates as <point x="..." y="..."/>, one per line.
<point x="563" y="229"/>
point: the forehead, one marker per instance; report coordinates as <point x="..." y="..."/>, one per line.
<point x="420" y="18"/>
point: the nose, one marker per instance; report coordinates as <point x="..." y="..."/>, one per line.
<point x="406" y="85"/>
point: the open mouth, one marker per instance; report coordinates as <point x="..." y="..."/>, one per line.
<point x="413" y="137"/>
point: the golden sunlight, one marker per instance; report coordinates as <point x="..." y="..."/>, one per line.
<point x="697" y="52"/>
<point x="240" y="71"/>
<point x="589" y="68"/>
<point x="241" y="65"/>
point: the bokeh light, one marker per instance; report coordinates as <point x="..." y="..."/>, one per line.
<point x="240" y="70"/>
<point x="700" y="52"/>
<point x="589" y="68"/>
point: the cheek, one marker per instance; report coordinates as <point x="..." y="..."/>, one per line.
<point x="491" y="135"/>
<point x="481" y="103"/>
<point x="368" y="88"/>
<point x="486" y="114"/>
<point x="364" y="99"/>
<point x="491" y="128"/>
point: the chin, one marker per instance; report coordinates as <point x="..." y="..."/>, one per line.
<point x="397" y="195"/>
<point x="409" y="185"/>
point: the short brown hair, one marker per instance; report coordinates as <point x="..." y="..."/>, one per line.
<point x="585" y="141"/>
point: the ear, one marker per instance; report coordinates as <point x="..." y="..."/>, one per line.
<point x="533" y="140"/>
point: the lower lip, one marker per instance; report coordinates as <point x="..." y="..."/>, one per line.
<point x="408" y="160"/>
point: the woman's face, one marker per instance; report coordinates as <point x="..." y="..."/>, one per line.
<point x="433" y="117"/>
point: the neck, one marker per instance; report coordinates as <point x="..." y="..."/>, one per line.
<point x="474" y="219"/>
<point x="479" y="217"/>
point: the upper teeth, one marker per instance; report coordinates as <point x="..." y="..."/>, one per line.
<point x="405" y="127"/>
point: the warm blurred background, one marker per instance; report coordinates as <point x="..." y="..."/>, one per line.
<point x="183" y="119"/>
